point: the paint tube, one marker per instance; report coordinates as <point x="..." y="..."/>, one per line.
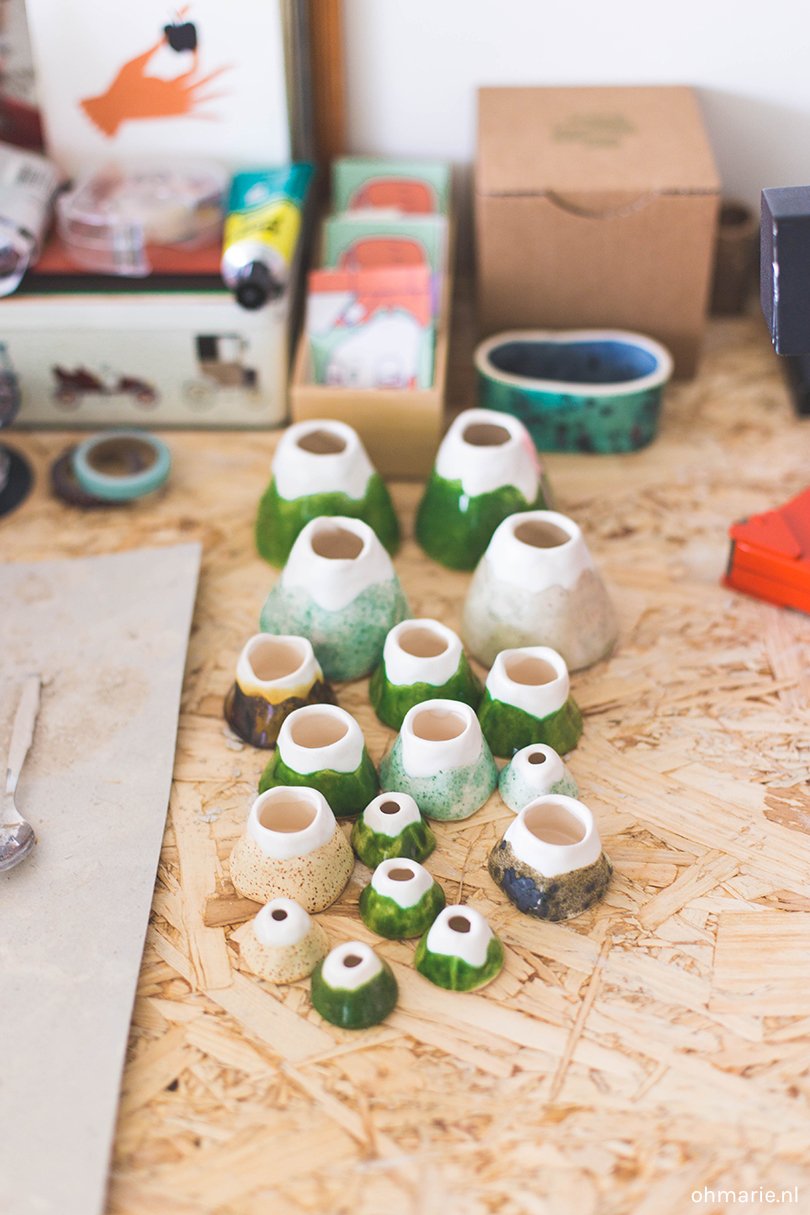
<point x="261" y="231"/>
<point x="27" y="186"/>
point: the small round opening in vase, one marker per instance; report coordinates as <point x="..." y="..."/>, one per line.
<point x="390" y="808"/>
<point x="537" y="757"/>
<point x="422" y="642"/>
<point x="401" y="875"/>
<point x="486" y="434"/>
<point x="438" y="725"/>
<point x="553" y="823"/>
<point x="529" y="671"/>
<point x="272" y="658"/>
<point x="278" y="914"/>
<point x="287" y="813"/>
<point x="538" y="533"/>
<point x="351" y="960"/>
<point x="322" y="442"/>
<point x="459" y="923"/>
<point x="337" y="543"/>
<point x="318" y="729"/>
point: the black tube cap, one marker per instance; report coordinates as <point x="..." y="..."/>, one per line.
<point x="256" y="286"/>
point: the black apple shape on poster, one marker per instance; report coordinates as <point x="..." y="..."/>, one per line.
<point x="181" y="37"/>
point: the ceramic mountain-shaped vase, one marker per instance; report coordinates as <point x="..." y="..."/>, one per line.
<point x="459" y="950"/>
<point x="534" y="772"/>
<point x="353" y="987"/>
<point x="274" y="676"/>
<point x="391" y="826"/>
<point x="527" y="700"/>
<point x="401" y="900"/>
<point x="283" y="943"/>
<point x="422" y="660"/>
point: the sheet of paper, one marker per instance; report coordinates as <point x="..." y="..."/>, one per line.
<point x="109" y="637"/>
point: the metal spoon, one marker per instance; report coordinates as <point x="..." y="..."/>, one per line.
<point x="16" y="835"/>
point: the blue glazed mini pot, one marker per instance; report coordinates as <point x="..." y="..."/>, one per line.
<point x="593" y="390"/>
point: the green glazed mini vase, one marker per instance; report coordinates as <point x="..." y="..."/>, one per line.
<point x="487" y="468"/>
<point x="550" y="862"/>
<point x="339" y="589"/>
<point x="401" y="900"/>
<point x="441" y="759"/>
<point x="533" y="772"/>
<point x="321" y="468"/>
<point x="274" y="676"/>
<point x="353" y="988"/>
<point x="422" y="660"/>
<point x="581" y="390"/>
<point x="459" y="951"/>
<point x="527" y="700"/>
<point x="391" y="826"/>
<point x="322" y="747"/>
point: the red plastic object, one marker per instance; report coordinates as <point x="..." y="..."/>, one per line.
<point x="770" y="555"/>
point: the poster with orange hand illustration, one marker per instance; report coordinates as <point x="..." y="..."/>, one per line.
<point x="146" y="80"/>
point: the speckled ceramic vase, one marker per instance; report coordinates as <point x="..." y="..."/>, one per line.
<point x="534" y="772"/>
<point x="537" y="585"/>
<point x="391" y="826"/>
<point x="486" y="468"/>
<point x="441" y="758"/>
<point x="274" y="676"/>
<point x="527" y="700"/>
<point x="401" y="900"/>
<point x="422" y="660"/>
<point x="550" y="862"/>
<point x="339" y="589"/>
<point x="292" y="848"/>
<point x="322" y="746"/>
<point x="353" y="987"/>
<point x="459" y="950"/>
<point x="321" y="468"/>
<point x="283" y="943"/>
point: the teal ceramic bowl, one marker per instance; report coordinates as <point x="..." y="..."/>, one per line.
<point x="594" y="390"/>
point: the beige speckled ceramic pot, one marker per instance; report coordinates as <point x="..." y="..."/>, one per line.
<point x="283" y="943"/>
<point x="292" y="847"/>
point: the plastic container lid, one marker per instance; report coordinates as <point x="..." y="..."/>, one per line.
<point x="108" y="220"/>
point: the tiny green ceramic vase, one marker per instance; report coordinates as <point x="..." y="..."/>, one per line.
<point x="401" y="900"/>
<point x="441" y="758"/>
<point x="321" y="468"/>
<point x="595" y="390"/>
<point x="422" y="660"/>
<point x="274" y="676"/>
<point x="391" y="826"/>
<point x="550" y="862"/>
<point x="533" y="772"/>
<point x="322" y="747"/>
<point x="527" y="700"/>
<point x="353" y="987"/>
<point x="459" y="950"/>
<point x="339" y="589"/>
<point x="487" y="467"/>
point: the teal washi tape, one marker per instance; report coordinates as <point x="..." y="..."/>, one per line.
<point x="589" y="390"/>
<point x="104" y="465"/>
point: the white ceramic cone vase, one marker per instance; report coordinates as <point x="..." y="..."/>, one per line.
<point x="441" y="759"/>
<point x="550" y="862"/>
<point x="283" y="943"/>
<point x="537" y="585"/>
<point x="340" y="590"/>
<point x="292" y="847"/>
<point x="534" y="772"/>
<point x="459" y="950"/>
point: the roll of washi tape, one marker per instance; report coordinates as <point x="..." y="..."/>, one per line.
<point x="103" y="465"/>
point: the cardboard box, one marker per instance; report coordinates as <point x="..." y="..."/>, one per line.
<point x="596" y="207"/>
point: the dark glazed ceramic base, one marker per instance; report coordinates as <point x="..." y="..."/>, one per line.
<point x="556" y="898"/>
<point x="258" y="722"/>
<point x="18" y="482"/>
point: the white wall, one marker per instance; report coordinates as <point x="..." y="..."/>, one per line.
<point x="413" y="67"/>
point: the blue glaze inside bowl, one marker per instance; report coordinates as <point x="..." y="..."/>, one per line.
<point x="586" y="362"/>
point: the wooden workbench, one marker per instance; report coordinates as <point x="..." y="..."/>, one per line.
<point x="654" y="1046"/>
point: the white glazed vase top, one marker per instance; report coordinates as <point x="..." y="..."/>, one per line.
<point x="299" y="734"/>
<point x="484" y="468"/>
<point x="299" y="472"/>
<point x="533" y="772"/>
<point x="403" y="667"/>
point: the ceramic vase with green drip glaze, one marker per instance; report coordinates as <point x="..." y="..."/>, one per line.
<point x="321" y="468"/>
<point x="401" y="900"/>
<point x="550" y="862"/>
<point x="527" y="700"/>
<point x="441" y="759"/>
<point x="283" y="943"/>
<point x="486" y="468"/>
<point x="274" y="676"/>
<point x="459" y="950"/>
<point x="422" y="660"/>
<point x="353" y="987"/>
<point x="391" y="826"/>
<point x="533" y="772"/>
<point x="537" y="585"/>
<point x="322" y="747"/>
<point x="339" y="589"/>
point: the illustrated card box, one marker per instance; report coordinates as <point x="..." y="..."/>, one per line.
<point x="406" y="186"/>
<point x="129" y="82"/>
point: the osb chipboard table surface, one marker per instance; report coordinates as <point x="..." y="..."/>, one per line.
<point x="654" y="1046"/>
